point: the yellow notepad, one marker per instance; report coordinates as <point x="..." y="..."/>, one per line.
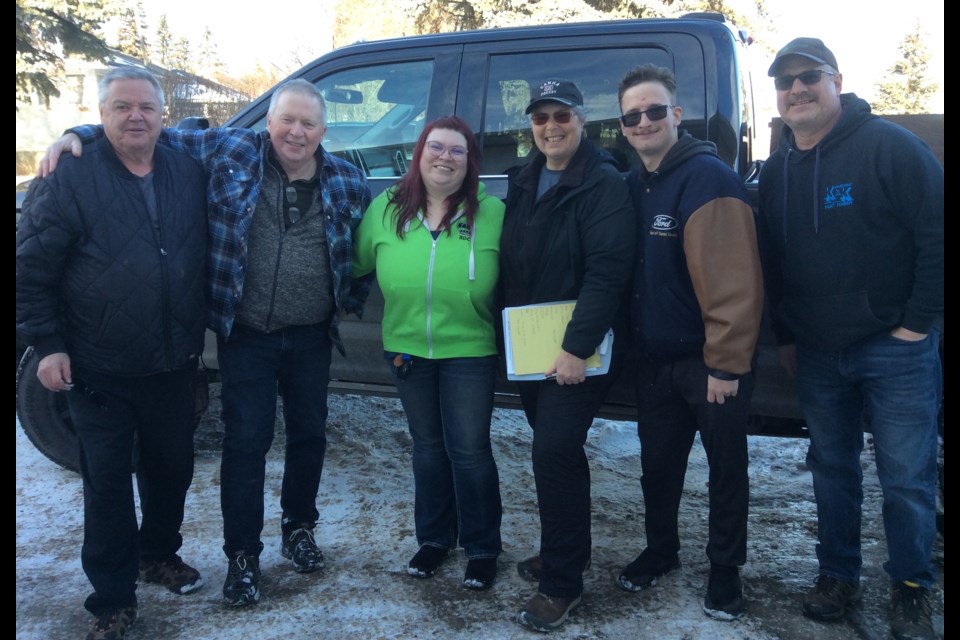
<point x="533" y="336"/>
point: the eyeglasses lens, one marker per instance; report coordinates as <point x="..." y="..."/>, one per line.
<point x="560" y="117"/>
<point x="438" y="150"/>
<point x="633" y="118"/>
<point x="808" y="78"/>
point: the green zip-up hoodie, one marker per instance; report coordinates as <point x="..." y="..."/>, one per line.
<point x="438" y="294"/>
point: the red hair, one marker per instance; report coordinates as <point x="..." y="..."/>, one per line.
<point x="410" y="194"/>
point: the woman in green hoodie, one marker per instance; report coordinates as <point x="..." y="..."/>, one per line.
<point x="434" y="241"/>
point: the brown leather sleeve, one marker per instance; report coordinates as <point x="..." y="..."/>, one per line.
<point x="720" y="243"/>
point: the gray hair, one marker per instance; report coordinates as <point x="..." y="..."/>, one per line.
<point x="127" y="73"/>
<point x="304" y="88"/>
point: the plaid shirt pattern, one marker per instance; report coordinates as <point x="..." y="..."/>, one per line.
<point x="235" y="160"/>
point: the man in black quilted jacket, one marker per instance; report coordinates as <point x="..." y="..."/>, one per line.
<point x="110" y="293"/>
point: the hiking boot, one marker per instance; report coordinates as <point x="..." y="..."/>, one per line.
<point x="242" y="586"/>
<point x="480" y="573"/>
<point x="642" y="573"/>
<point x="546" y="613"/>
<point x="298" y="545"/>
<point x="532" y="568"/>
<point x="113" y="625"/>
<point x="911" y="612"/>
<point x="172" y="573"/>
<point x="426" y="561"/>
<point x="829" y="598"/>
<point x="724" y="599"/>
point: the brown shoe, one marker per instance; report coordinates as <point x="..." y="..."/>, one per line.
<point x="532" y="568"/>
<point x="172" y="573"/>
<point x="829" y="598"/>
<point x="546" y="613"/>
<point x="113" y="625"/>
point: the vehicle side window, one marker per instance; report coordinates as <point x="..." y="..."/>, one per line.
<point x="375" y="114"/>
<point x="506" y="128"/>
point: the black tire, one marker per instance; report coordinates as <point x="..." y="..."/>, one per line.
<point x="44" y="416"/>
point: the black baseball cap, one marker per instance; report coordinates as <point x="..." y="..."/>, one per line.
<point x="555" y="90"/>
<point x="810" y="48"/>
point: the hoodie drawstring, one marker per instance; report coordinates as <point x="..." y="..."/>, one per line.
<point x="816" y="190"/>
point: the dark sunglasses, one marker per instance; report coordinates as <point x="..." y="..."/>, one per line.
<point x="293" y="212"/>
<point x="809" y="78"/>
<point x="560" y="117"/>
<point x="658" y="112"/>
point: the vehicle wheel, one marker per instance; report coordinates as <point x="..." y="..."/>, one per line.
<point x="44" y="416"/>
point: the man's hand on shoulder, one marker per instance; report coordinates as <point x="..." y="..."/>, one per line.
<point x="67" y="142"/>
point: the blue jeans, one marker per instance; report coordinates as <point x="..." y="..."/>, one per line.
<point x="157" y="412"/>
<point x="254" y="368"/>
<point x="449" y="405"/>
<point x="896" y="386"/>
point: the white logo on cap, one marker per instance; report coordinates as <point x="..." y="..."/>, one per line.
<point x="549" y="87"/>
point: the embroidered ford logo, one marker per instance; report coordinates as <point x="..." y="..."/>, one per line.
<point x="664" y="223"/>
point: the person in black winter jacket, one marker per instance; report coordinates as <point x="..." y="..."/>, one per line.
<point x="852" y="235"/>
<point x="695" y="317"/>
<point x="111" y="265"/>
<point x="568" y="234"/>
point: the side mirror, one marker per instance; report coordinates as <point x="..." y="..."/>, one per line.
<point x="194" y="123"/>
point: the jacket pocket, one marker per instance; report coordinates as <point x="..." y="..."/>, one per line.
<point x="831" y="322"/>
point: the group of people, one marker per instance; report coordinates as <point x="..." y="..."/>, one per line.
<point x="848" y="247"/>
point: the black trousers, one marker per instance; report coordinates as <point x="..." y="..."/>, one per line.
<point x="110" y="414"/>
<point x="560" y="417"/>
<point x="672" y="407"/>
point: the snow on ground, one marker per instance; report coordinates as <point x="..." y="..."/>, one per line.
<point x="366" y="533"/>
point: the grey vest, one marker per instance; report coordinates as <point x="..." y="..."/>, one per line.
<point x="288" y="279"/>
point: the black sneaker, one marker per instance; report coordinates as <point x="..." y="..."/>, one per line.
<point x="546" y="613"/>
<point x="829" y="598"/>
<point x="426" y="561"/>
<point x="242" y="586"/>
<point x="724" y="599"/>
<point x="172" y="573"/>
<point x="113" y="625"/>
<point x="480" y="573"/>
<point x="298" y="545"/>
<point x="911" y="613"/>
<point x="643" y="572"/>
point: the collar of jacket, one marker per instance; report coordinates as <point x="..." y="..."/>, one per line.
<point x="572" y="176"/>
<point x="110" y="154"/>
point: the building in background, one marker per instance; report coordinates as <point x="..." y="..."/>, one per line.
<point x="40" y="122"/>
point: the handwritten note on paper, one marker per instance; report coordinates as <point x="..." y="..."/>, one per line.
<point x="536" y="336"/>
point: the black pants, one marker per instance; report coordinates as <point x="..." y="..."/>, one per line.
<point x="560" y="417"/>
<point x="107" y="413"/>
<point x="672" y="406"/>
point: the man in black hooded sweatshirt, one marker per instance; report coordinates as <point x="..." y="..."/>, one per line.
<point x="695" y="316"/>
<point x="852" y="236"/>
